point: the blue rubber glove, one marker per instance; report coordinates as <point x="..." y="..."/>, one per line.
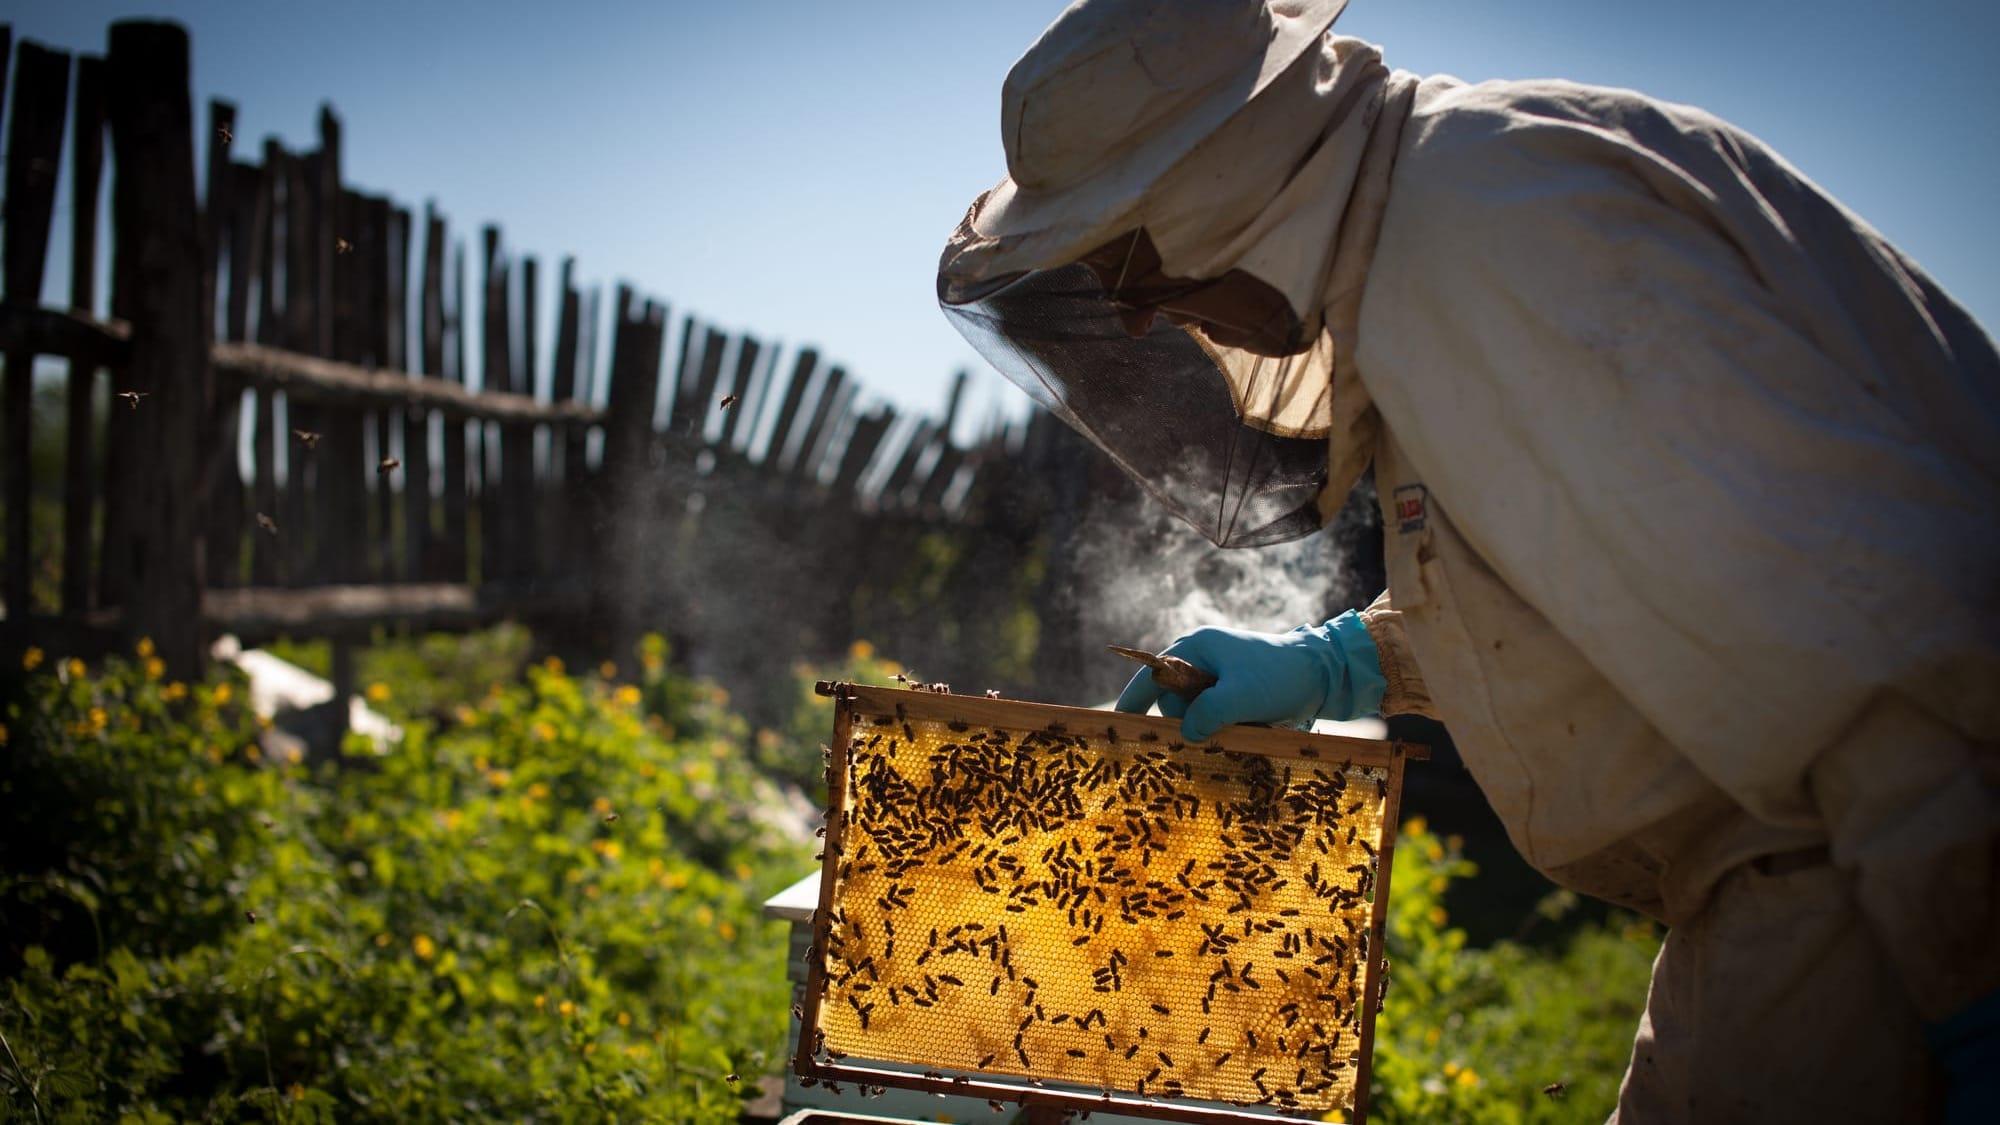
<point x="1968" y="1046"/>
<point x="1328" y="671"/>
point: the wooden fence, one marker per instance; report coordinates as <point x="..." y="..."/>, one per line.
<point x="295" y="443"/>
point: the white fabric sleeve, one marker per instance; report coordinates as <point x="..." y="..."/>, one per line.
<point x="1764" y="548"/>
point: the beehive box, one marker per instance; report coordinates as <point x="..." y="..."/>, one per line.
<point x="1072" y="908"/>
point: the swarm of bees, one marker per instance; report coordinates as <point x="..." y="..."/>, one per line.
<point x="1101" y="908"/>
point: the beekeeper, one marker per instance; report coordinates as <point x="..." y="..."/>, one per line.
<point x="1690" y="483"/>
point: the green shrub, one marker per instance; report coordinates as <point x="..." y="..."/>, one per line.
<point x="1476" y="1035"/>
<point x="546" y="907"/>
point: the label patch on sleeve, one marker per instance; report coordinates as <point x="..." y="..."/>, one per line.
<point x="1411" y="500"/>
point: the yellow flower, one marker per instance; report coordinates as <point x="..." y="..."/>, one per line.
<point x="590" y="1048"/>
<point x="31" y="659"/>
<point x="602" y="805"/>
<point x="544" y="732"/>
<point x="648" y="769"/>
<point x="539" y="790"/>
<point x="144" y="648"/>
<point x="743" y="871"/>
<point x="466" y="716"/>
<point x="155" y="667"/>
<point x="297" y="1092"/>
<point x="591" y="891"/>
<point x="498" y="779"/>
<point x="1432" y="1035"/>
<point x="223" y="694"/>
<point x="75" y="668"/>
<point x="1467" y="1077"/>
<point x="624" y="1019"/>
<point x="424" y="947"/>
<point x="213" y="753"/>
<point x="860" y="650"/>
<point x="727" y="930"/>
<point x="626" y="696"/>
<point x="567" y="1008"/>
<point x="541" y="1002"/>
<point x="554" y="664"/>
<point x="174" y="692"/>
<point x="98" y="719"/>
<point x="378" y="692"/>
<point x="608" y="670"/>
<point x="1415" y="825"/>
<point x="382" y="940"/>
<point x="251" y="752"/>
<point x="634" y="1051"/>
<point x="704" y="917"/>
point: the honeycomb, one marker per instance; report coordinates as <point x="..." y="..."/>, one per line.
<point x="1103" y="908"/>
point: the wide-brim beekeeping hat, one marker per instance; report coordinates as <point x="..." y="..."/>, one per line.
<point x="1113" y="95"/>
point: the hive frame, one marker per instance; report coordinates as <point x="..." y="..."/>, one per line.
<point x="853" y="699"/>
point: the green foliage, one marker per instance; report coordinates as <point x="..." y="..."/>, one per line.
<point x="424" y="675"/>
<point x="1475" y="1035"/>
<point x="545" y="906"/>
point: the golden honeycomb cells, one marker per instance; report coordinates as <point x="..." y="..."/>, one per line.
<point x="1087" y="901"/>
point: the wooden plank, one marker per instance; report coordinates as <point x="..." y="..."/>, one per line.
<point x="943" y="471"/>
<point x="520" y="500"/>
<point x="795" y="392"/>
<point x="420" y="547"/>
<point x="564" y="521"/>
<point x="256" y="613"/>
<point x="802" y="462"/>
<point x="739" y="389"/>
<point x="157" y="227"/>
<point x="713" y="344"/>
<point x="326" y="382"/>
<point x="34" y="139"/>
<point x="379" y="324"/>
<point x="759" y="398"/>
<point x="300" y="336"/>
<point x="79" y="480"/>
<point x="457" y="441"/>
<point x="495" y="546"/>
<point x="683" y="375"/>
<point x="861" y="447"/>
<point x="890" y="495"/>
<point x="222" y="479"/>
<point x="248" y="227"/>
<point x="270" y="298"/>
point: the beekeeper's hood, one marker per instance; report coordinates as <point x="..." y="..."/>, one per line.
<point x="1224" y="162"/>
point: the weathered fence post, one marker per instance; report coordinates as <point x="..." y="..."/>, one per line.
<point x="159" y="246"/>
<point x="41" y="95"/>
<point x="87" y="165"/>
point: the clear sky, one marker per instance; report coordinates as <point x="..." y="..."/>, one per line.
<point x="792" y="168"/>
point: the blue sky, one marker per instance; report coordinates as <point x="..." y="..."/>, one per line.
<point x="791" y="169"/>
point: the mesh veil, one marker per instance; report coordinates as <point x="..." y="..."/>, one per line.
<point x="1198" y="437"/>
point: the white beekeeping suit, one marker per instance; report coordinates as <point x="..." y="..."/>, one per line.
<point x="1691" y="485"/>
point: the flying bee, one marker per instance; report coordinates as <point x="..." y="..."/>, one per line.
<point x="307" y="438"/>
<point x="342" y="246"/>
<point x="132" y="397"/>
<point x="251" y="915"/>
<point x="728" y="401"/>
<point x="731" y="1078"/>
<point x="610" y="818"/>
<point x="267" y="523"/>
<point x="388" y="465"/>
<point x="222" y="133"/>
<point x="1555" y="1089"/>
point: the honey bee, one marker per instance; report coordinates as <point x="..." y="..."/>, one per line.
<point x="342" y="246"/>
<point x="224" y="135"/>
<point x="307" y="438"/>
<point x="251" y="915"/>
<point x="610" y="818"/>
<point x="132" y="397"/>
<point x="1555" y="1089"/>
<point x="388" y="465"/>
<point x="267" y="523"/>
<point x="728" y="401"/>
